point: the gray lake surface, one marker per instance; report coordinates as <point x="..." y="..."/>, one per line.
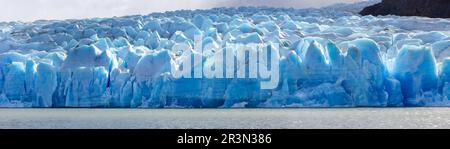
<point x="225" y="118"/>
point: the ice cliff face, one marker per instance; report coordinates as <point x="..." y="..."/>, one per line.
<point x="327" y="58"/>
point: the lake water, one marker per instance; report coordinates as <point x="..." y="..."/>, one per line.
<point x="226" y="118"/>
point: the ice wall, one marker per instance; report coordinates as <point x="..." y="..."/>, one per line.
<point x="327" y="59"/>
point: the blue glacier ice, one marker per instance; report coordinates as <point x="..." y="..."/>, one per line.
<point x="415" y="68"/>
<point x="328" y="57"/>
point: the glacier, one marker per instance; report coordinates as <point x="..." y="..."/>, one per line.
<point x="328" y="58"/>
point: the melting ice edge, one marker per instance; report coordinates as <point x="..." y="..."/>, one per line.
<point x="328" y="58"/>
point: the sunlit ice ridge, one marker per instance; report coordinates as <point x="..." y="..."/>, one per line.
<point x="326" y="57"/>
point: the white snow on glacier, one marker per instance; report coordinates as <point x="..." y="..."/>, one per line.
<point x="327" y="57"/>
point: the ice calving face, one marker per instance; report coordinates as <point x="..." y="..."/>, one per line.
<point x="252" y="61"/>
<point x="226" y="57"/>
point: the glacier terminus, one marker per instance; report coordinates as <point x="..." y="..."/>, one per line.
<point x="318" y="57"/>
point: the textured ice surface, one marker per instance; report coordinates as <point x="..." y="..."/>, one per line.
<point x="328" y="58"/>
